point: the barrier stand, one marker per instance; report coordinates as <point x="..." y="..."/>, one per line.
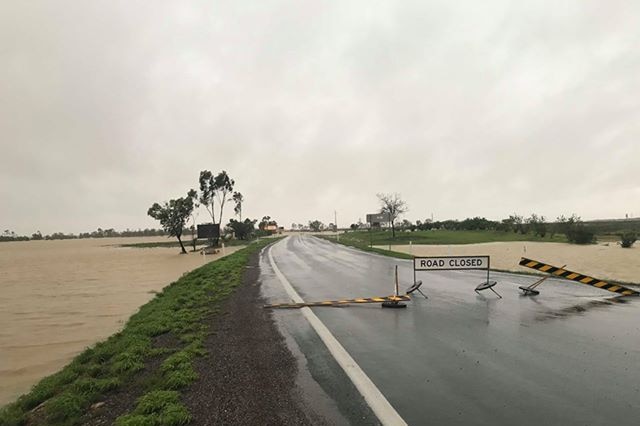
<point x="487" y="286"/>
<point x="456" y="263"/>
<point x="394" y="303"/>
<point x="416" y="287"/>
<point x="530" y="290"/>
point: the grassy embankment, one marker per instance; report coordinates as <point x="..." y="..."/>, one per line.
<point x="152" y="357"/>
<point x="363" y="239"/>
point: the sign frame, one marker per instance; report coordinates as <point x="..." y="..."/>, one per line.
<point x="378" y="218"/>
<point x="466" y="268"/>
<point x="208" y="231"/>
<point x="488" y="267"/>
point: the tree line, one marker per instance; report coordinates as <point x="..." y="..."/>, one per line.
<point x="573" y="227"/>
<point x="575" y="230"/>
<point x="9" y="235"/>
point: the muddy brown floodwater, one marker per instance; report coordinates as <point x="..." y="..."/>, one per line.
<point x="59" y="297"/>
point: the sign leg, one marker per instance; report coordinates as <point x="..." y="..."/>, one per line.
<point x="491" y="288"/>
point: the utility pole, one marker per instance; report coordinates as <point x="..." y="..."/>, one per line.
<point x="335" y="221"/>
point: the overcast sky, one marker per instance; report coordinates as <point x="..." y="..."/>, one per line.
<point x="478" y="108"/>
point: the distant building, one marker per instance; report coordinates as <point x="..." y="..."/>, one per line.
<point x="272" y="228"/>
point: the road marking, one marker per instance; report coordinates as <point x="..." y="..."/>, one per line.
<point x="371" y="394"/>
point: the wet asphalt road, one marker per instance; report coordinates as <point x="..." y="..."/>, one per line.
<point x="569" y="356"/>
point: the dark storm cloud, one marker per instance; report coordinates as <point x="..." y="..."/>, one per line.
<point x="483" y="108"/>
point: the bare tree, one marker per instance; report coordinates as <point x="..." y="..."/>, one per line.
<point x="394" y="206"/>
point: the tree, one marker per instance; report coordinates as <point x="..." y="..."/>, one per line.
<point x="173" y="216"/>
<point x="316" y="225"/>
<point x="266" y="220"/>
<point x="537" y="224"/>
<point x="518" y="223"/>
<point x="394" y="206"/>
<point x="575" y="230"/>
<point x="238" y="199"/>
<point x="215" y="188"/>
<point x="242" y="230"/>
<point x="193" y="194"/>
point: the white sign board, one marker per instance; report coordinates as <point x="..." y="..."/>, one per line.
<point x="447" y="263"/>
<point x="378" y="218"/>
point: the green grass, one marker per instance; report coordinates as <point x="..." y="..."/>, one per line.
<point x="380" y="238"/>
<point x="181" y="309"/>
<point x="613" y="227"/>
<point x="355" y="243"/>
<point x="159" y="407"/>
<point x="362" y="239"/>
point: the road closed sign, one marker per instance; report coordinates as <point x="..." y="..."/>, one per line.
<point x="448" y="263"/>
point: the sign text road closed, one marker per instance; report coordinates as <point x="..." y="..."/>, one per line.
<point x="445" y="263"/>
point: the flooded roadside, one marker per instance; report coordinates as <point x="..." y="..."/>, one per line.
<point x="603" y="260"/>
<point x="58" y="297"/>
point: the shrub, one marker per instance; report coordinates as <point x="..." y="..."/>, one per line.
<point x="65" y="406"/>
<point x="156" y="401"/>
<point x="46" y="389"/>
<point x="12" y="415"/>
<point x="161" y="408"/>
<point x="575" y="230"/>
<point x="579" y="234"/>
<point x="627" y="239"/>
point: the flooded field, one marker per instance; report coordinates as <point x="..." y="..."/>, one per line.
<point x="58" y="297"/>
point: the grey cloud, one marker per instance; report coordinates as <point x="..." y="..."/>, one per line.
<point x="476" y="108"/>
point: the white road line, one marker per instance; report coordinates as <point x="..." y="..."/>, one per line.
<point x="372" y="395"/>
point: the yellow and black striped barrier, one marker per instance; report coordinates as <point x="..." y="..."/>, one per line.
<point x="342" y="302"/>
<point x="574" y="276"/>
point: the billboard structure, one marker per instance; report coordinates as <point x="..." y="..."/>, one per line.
<point x="375" y="219"/>
<point x="209" y="231"/>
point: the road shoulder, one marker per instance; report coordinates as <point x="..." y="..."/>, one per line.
<point x="249" y="376"/>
